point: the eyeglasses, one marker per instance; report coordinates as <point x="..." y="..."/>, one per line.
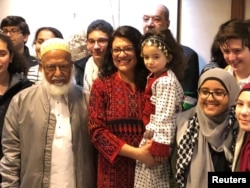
<point x="217" y="94"/>
<point x="100" y="41"/>
<point x="52" y="67"/>
<point x="127" y="50"/>
<point x="11" y="31"/>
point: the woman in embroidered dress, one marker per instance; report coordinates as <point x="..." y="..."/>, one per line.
<point x="241" y="160"/>
<point x="115" y="111"/>
<point x="206" y="134"/>
<point x="163" y="57"/>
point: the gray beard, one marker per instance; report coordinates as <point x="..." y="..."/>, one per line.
<point x="56" y="90"/>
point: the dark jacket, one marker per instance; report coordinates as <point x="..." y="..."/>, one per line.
<point x="31" y="60"/>
<point x="79" y="69"/>
<point x="17" y="83"/>
<point x="189" y="82"/>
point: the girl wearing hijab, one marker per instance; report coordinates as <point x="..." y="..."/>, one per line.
<point x="242" y="149"/>
<point x="206" y="134"/>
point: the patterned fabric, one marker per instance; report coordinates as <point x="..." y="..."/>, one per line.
<point x="189" y="140"/>
<point x="185" y="149"/>
<point x="115" y="118"/>
<point x="34" y="74"/>
<point x="164" y="95"/>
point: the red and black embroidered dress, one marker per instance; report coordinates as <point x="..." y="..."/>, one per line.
<point x="115" y="118"/>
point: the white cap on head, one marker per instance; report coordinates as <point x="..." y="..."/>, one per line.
<point x="54" y="44"/>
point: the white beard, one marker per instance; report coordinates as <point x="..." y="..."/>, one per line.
<point x="57" y="90"/>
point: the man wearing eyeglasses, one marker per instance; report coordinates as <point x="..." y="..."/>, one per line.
<point x="45" y="139"/>
<point x="87" y="68"/>
<point x="18" y="30"/>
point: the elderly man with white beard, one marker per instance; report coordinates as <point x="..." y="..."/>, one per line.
<point x="45" y="136"/>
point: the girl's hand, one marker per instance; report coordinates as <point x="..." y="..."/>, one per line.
<point x="146" y="157"/>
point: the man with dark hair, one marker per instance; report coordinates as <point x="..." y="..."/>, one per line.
<point x="155" y="19"/>
<point x="17" y="29"/>
<point x="87" y="68"/>
<point x="233" y="40"/>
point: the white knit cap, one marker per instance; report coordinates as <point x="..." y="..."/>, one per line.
<point x="54" y="44"/>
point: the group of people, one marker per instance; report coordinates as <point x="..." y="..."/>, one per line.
<point x="135" y="112"/>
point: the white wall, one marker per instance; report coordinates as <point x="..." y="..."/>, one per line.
<point x="73" y="16"/>
<point x="69" y="16"/>
<point x="200" y="19"/>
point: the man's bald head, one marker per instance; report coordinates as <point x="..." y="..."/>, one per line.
<point x="155" y="18"/>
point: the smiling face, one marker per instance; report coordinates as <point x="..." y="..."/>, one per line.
<point x="242" y="110"/>
<point x="124" y="56"/>
<point x="5" y="58"/>
<point x="57" y="70"/>
<point x="238" y="56"/>
<point x="211" y="105"/>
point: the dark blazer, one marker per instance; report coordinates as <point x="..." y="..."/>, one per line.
<point x="191" y="75"/>
<point x="31" y="60"/>
<point x="80" y="69"/>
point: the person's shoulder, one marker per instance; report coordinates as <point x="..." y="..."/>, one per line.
<point x="101" y="82"/>
<point x="185" y="115"/>
<point x="188" y="49"/>
<point x="20" y="80"/>
<point x="32" y="59"/>
<point x="32" y="88"/>
<point x="191" y="56"/>
<point x="227" y="68"/>
<point x="77" y="88"/>
<point x="168" y="80"/>
<point x="182" y="122"/>
<point x="26" y="94"/>
<point x="82" y="62"/>
<point x="78" y="93"/>
<point x="26" y="83"/>
<point x="172" y="76"/>
<point x="109" y="78"/>
<point x="106" y="82"/>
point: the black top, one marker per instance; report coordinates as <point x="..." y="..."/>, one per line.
<point x="80" y="69"/>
